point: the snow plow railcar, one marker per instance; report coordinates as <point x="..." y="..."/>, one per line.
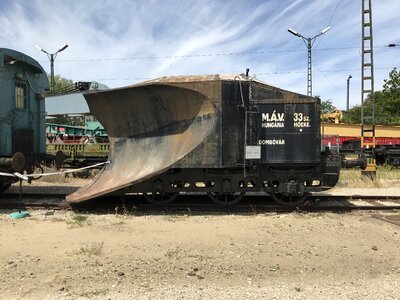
<point x="221" y="134"/>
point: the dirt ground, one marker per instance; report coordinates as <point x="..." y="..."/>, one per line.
<point x="64" y="255"/>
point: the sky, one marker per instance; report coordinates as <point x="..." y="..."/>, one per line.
<point x="123" y="42"/>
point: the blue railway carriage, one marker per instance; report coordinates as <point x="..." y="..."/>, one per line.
<point x="23" y="82"/>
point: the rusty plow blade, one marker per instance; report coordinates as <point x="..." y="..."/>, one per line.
<point x="150" y="127"/>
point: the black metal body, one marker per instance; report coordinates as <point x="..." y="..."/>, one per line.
<point x="383" y="154"/>
<point x="387" y="154"/>
<point x="215" y="134"/>
<point x="284" y="126"/>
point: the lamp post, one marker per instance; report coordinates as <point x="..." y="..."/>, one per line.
<point x="52" y="57"/>
<point x="348" y="87"/>
<point x="309" y="42"/>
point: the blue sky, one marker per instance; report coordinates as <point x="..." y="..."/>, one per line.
<point x="127" y="41"/>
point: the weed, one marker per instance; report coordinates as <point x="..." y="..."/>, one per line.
<point x="94" y="249"/>
<point x="173" y="252"/>
<point x="55" y="219"/>
<point x="385" y="176"/>
<point x="96" y="263"/>
<point x="78" y="220"/>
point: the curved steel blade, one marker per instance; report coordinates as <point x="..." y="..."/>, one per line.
<point x="150" y="128"/>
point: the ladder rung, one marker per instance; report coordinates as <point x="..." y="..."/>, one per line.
<point x="367" y="38"/>
<point x="367" y="65"/>
<point x="367" y="11"/>
<point x="367" y="78"/>
<point x="367" y="24"/>
<point x="367" y="91"/>
<point x="367" y="51"/>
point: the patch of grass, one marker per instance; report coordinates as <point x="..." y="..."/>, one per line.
<point x="173" y="252"/>
<point x="94" y="249"/>
<point x="388" y="172"/>
<point x="385" y="177"/>
<point x="96" y="263"/>
<point x="78" y="220"/>
<point x="55" y="219"/>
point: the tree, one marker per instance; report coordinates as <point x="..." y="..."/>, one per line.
<point x="60" y="83"/>
<point x="327" y="106"/>
<point x="392" y="85"/>
<point x="387" y="103"/>
<point x="390" y="97"/>
<point x="353" y="116"/>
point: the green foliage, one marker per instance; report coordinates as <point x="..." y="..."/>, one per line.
<point x="67" y="120"/>
<point x="60" y="83"/>
<point x="353" y="116"/>
<point x="94" y="249"/>
<point x="392" y="85"/>
<point x="390" y="97"/>
<point x="327" y="106"/>
<point x="387" y="103"/>
<point x="79" y="220"/>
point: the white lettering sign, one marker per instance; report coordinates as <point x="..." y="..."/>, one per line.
<point x="301" y="121"/>
<point x="273" y="120"/>
<point x="272" y="142"/>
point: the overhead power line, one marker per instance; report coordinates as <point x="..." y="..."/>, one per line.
<point x="266" y="51"/>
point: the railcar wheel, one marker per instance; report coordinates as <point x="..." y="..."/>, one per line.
<point x="160" y="198"/>
<point x="226" y="198"/>
<point x="289" y="200"/>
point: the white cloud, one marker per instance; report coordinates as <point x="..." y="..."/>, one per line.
<point x="113" y="41"/>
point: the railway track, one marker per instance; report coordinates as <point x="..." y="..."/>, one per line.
<point x="197" y="203"/>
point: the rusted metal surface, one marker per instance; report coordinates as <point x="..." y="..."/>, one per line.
<point x="195" y="127"/>
<point x="150" y="128"/>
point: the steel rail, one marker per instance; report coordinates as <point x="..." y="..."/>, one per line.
<point x="199" y="203"/>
